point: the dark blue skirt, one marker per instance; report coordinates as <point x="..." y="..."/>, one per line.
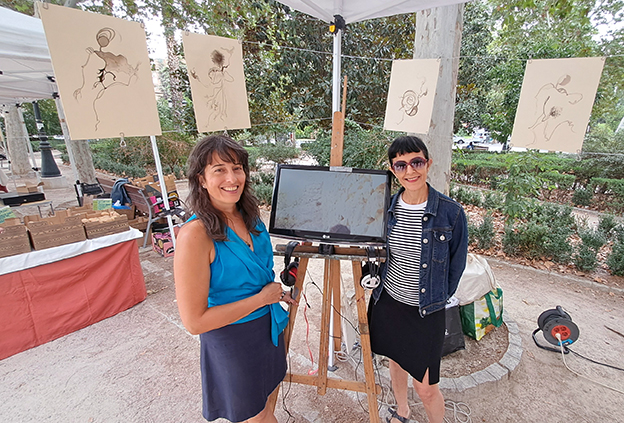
<point x="240" y="368"/>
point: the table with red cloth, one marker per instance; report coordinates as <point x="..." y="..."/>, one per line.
<point x="50" y="293"/>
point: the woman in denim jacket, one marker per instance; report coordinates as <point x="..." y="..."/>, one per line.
<point x="427" y="247"/>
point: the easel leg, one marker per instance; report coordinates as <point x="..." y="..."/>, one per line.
<point x="328" y="280"/>
<point x="337" y="302"/>
<point x="301" y="272"/>
<point x="367" y="354"/>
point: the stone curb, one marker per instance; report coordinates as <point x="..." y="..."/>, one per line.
<point x="495" y="371"/>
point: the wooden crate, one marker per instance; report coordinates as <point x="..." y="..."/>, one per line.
<point x="105" y="223"/>
<point x="55" y="231"/>
<point x="139" y="223"/>
<point x="14" y="238"/>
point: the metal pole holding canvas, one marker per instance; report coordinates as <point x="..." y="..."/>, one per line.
<point x="163" y="187"/>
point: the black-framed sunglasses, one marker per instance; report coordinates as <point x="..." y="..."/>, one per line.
<point x="416" y="163"/>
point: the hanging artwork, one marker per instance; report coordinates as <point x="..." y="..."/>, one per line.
<point x="103" y="73"/>
<point x="215" y="67"/>
<point x="555" y="103"/>
<point x="411" y="94"/>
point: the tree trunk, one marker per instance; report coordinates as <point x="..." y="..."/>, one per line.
<point x="438" y="35"/>
<point x="17" y="142"/>
<point x="173" y="63"/>
<point x="78" y="151"/>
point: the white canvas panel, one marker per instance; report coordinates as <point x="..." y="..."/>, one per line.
<point x="411" y="94"/>
<point x="215" y="67"/>
<point x="103" y="73"/>
<point x="556" y="102"/>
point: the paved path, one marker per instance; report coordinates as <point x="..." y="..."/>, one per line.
<point x="142" y="366"/>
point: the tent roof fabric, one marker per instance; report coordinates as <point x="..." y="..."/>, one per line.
<point x="25" y="64"/>
<point x="358" y="10"/>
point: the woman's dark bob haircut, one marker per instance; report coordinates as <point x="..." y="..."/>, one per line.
<point x="407" y="144"/>
<point x="199" y="202"/>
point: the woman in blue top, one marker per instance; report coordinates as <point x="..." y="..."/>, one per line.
<point x="427" y="244"/>
<point x="223" y="269"/>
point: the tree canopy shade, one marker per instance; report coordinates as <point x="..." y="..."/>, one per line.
<point x="25" y="67"/>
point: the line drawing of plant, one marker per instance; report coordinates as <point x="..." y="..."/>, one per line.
<point x="114" y="71"/>
<point x="218" y="75"/>
<point x="410" y="101"/>
<point x="553" y="103"/>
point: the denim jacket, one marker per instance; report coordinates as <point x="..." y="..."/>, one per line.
<point x="444" y="248"/>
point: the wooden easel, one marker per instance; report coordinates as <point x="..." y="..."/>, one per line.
<point x="331" y="288"/>
<point x="331" y="294"/>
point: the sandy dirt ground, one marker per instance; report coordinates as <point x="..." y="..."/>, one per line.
<point x="142" y="366"/>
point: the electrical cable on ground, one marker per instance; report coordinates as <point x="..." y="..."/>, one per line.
<point x="460" y="410"/>
<point x="594" y="361"/>
<point x="580" y="375"/>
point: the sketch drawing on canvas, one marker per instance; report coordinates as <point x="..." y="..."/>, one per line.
<point x="217" y="76"/>
<point x="112" y="70"/>
<point x="410" y="100"/>
<point x="553" y="105"/>
<point x="411" y="94"/>
<point x="217" y="80"/>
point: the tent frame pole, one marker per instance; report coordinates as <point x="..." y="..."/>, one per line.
<point x="163" y="187"/>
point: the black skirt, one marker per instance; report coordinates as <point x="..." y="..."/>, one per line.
<point x="240" y="368"/>
<point x="399" y="332"/>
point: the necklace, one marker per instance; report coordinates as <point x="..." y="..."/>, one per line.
<point x="235" y="226"/>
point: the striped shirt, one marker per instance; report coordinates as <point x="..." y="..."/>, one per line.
<point x="404" y="243"/>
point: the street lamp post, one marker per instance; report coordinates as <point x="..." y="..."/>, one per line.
<point x="49" y="169"/>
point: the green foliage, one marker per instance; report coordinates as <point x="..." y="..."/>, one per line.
<point x="493" y="201"/>
<point x="511" y="240"/>
<point x="363" y="149"/>
<point x="538" y="237"/>
<point x="472" y="82"/>
<point x="483" y="235"/>
<point x="466" y="195"/>
<point x="262" y="184"/>
<point x="523" y="181"/>
<point x="119" y="169"/>
<point x="278" y="153"/>
<point x="607" y="225"/>
<point x="582" y="196"/>
<point x="615" y="261"/>
<point x="585" y="257"/>
<point x="603" y="139"/>
<point x="49" y="116"/>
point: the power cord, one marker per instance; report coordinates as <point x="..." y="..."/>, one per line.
<point x="460" y="410"/>
<point x="594" y="361"/>
<point x="558" y="336"/>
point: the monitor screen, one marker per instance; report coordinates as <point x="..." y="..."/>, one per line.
<point x="330" y="205"/>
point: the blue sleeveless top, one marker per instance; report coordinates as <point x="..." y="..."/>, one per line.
<point x="237" y="273"/>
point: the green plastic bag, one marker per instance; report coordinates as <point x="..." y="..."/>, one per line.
<point x="482" y="315"/>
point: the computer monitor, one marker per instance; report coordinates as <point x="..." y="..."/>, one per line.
<point x="337" y="205"/>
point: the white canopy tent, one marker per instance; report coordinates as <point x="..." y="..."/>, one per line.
<point x="355" y="11"/>
<point x="26" y="72"/>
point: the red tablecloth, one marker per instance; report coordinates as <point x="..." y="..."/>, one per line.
<point x="40" y="304"/>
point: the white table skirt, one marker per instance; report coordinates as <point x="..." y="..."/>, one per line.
<point x="50" y="255"/>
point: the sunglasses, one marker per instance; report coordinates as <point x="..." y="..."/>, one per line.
<point x="416" y="163"/>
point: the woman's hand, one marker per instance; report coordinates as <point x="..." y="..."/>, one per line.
<point x="288" y="299"/>
<point x="271" y="293"/>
